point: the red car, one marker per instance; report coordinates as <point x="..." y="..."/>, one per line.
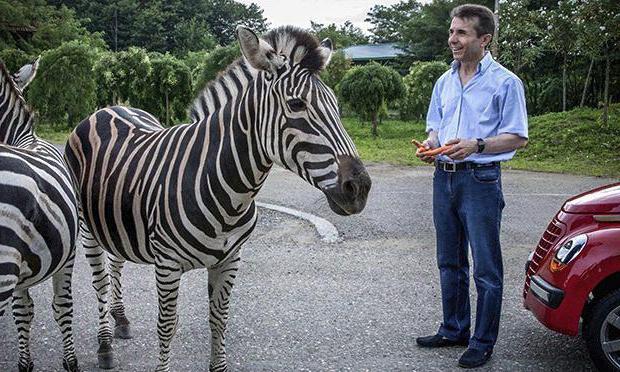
<point x="574" y="274"/>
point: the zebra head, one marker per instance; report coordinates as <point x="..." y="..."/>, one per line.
<point x="16" y="117"/>
<point x="25" y="75"/>
<point x="299" y="116"/>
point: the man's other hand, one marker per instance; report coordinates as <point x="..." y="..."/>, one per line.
<point x="461" y="148"/>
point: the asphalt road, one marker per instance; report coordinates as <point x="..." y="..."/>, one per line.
<point x="304" y="305"/>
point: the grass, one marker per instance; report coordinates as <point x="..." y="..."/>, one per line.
<point x="573" y="142"/>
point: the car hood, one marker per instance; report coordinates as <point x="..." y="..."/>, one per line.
<point x="602" y="200"/>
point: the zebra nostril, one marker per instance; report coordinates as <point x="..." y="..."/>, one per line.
<point x="350" y="188"/>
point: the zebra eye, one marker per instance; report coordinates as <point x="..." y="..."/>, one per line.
<point x="296" y="104"/>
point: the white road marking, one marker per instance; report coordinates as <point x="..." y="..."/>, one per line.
<point x="326" y="229"/>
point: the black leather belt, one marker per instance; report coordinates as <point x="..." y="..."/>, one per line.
<point x="465" y="165"/>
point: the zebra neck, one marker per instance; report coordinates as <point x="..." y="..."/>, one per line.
<point x="16" y="118"/>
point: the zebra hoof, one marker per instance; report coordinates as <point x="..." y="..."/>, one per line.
<point x="122" y="331"/>
<point x="71" y="367"/>
<point x="106" y="360"/>
<point x="25" y="368"/>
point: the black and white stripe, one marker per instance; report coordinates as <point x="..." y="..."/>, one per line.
<point x="38" y="218"/>
<point x="183" y="197"/>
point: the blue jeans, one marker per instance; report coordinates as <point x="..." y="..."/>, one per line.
<point x="467" y="211"/>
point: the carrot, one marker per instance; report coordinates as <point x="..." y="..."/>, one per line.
<point x="429" y="152"/>
<point x="437" y="151"/>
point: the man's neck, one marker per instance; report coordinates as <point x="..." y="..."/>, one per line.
<point x="469" y="67"/>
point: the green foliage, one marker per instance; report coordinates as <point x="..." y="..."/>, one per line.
<point x="64" y="90"/>
<point x="133" y="69"/>
<point x="419" y="88"/>
<point x="216" y="62"/>
<point x="574" y="142"/>
<point x="337" y="68"/>
<point x="342" y="36"/>
<point x="367" y="88"/>
<point x="14" y="59"/>
<point x="387" y="21"/>
<point x="170" y="89"/>
<point x="520" y="35"/>
<point x="107" y="74"/>
<point x="49" y="26"/>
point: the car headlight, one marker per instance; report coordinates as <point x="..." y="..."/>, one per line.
<point x="567" y="252"/>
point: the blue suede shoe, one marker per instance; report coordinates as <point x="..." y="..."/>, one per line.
<point x="473" y="358"/>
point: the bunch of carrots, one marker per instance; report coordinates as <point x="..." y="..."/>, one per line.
<point x="429" y="152"/>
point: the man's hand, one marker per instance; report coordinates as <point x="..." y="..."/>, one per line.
<point x="429" y="143"/>
<point x="461" y="148"/>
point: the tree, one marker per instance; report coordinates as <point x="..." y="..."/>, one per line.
<point x="170" y="88"/>
<point x="107" y="73"/>
<point x="341" y="37"/>
<point x="419" y="87"/>
<point x="223" y="17"/>
<point x="387" y="21"/>
<point x="368" y="88"/>
<point x="561" y="35"/>
<point x="601" y="35"/>
<point x="520" y="35"/>
<point x="64" y="90"/>
<point x="48" y="26"/>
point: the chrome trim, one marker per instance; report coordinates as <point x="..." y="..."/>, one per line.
<point x="607" y="217"/>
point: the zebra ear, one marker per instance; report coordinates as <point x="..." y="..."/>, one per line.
<point x="325" y="50"/>
<point x="26" y="74"/>
<point x="257" y="52"/>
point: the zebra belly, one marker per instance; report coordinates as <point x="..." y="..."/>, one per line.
<point x="38" y="218"/>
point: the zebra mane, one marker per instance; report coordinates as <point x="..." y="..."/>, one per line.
<point x="301" y="48"/>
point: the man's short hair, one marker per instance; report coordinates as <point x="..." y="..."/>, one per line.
<point x="485" y="21"/>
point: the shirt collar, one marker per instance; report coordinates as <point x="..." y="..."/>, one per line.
<point x="483" y="65"/>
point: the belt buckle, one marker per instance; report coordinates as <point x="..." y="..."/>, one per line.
<point x="449" y="167"/>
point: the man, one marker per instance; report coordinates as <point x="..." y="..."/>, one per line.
<point x="477" y="107"/>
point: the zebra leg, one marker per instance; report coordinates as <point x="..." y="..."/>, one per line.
<point x="117" y="308"/>
<point x="221" y="280"/>
<point x="96" y="257"/>
<point x="23" y="312"/>
<point x="168" y="277"/>
<point x="63" y="313"/>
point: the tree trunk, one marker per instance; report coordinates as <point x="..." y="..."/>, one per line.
<point x="115" y="30"/>
<point x="606" y="91"/>
<point x="564" y="85"/>
<point x="374" y="124"/>
<point x="167" y="110"/>
<point x="495" y="45"/>
<point x="585" y="85"/>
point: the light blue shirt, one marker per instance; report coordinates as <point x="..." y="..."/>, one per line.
<point x="491" y="103"/>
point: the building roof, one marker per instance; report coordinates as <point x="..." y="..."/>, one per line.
<point x="369" y="52"/>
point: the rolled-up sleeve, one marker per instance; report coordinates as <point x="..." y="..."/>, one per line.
<point x="513" y="110"/>
<point x="434" y="114"/>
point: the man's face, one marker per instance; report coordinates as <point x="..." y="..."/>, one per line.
<point x="464" y="42"/>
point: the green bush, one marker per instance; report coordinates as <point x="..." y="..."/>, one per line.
<point x="366" y="89"/>
<point x="170" y="89"/>
<point x="214" y="63"/>
<point x="419" y="88"/>
<point x="14" y="59"/>
<point x="64" y="90"/>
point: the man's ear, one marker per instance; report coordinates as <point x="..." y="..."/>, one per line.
<point x="26" y="74"/>
<point x="258" y="52"/>
<point x="325" y="50"/>
<point x="486" y="40"/>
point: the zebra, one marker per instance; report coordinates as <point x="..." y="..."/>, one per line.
<point x="182" y="198"/>
<point x="38" y="218"/>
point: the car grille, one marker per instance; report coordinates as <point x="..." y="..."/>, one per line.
<point x="554" y="232"/>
